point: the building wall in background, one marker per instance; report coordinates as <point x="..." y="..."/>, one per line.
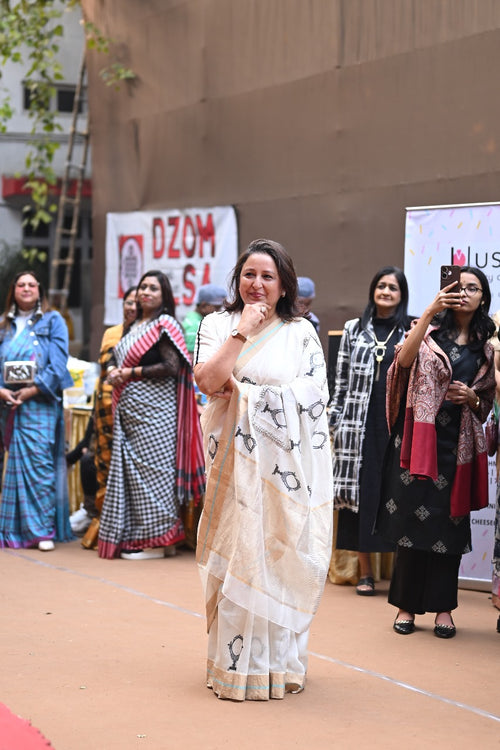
<point x="13" y="148"/>
<point x="320" y="121"/>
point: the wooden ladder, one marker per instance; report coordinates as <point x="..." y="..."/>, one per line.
<point x="70" y="199"/>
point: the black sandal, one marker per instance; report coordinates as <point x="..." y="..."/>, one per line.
<point x="366" y="581"/>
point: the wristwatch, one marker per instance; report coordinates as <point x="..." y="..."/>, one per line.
<point x="237" y="335"/>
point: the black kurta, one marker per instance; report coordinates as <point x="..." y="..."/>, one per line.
<point x="415" y="513"/>
<point x="355" y="531"/>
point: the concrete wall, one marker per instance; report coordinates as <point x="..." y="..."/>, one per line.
<point x="320" y="120"/>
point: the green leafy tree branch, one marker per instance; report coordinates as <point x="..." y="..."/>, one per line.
<point x="30" y="33"/>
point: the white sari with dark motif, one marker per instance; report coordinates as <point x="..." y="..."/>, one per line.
<point x="264" y="540"/>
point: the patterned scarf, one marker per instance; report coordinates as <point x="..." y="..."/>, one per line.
<point x="425" y="385"/>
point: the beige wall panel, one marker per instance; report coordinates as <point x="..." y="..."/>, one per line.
<point x="251" y="44"/>
<point x="167" y="51"/>
<point x="173" y="159"/>
<point x="320" y="123"/>
<point x="273" y="143"/>
<point x="264" y="144"/>
<point x="374" y="29"/>
<point x="116" y="185"/>
<point x="431" y="114"/>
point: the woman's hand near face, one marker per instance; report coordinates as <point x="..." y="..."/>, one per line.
<point x="253" y="318"/>
<point x="445" y="299"/>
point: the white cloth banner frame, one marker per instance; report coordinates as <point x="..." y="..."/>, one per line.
<point x="464" y="235"/>
<point x="192" y="246"/>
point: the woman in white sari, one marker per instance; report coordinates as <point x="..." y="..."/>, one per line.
<point x="265" y="532"/>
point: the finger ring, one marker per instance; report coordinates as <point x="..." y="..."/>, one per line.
<point x="263" y="310"/>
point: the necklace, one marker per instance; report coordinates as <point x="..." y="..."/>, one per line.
<point x="380" y="349"/>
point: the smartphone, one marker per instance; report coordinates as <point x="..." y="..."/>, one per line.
<point x="449" y="274"/>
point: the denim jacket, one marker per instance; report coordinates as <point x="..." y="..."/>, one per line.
<point x="50" y="344"/>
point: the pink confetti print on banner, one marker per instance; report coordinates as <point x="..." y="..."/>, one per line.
<point x="489" y="212"/>
<point x="473" y="566"/>
<point x="459" y="258"/>
<point x="452" y="212"/>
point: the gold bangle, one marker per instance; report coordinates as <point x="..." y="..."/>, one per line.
<point x="477" y="402"/>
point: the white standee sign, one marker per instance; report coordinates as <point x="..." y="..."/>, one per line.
<point x="466" y="235"/>
<point x="192" y="246"/>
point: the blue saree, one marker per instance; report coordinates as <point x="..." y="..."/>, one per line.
<point x="34" y="504"/>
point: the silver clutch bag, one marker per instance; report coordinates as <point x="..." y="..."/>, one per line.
<point x="19" y="373"/>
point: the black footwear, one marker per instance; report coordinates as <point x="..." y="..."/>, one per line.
<point x="404" y="627"/>
<point x="498" y="624"/>
<point x="445" y="631"/>
<point x="366" y="581"/>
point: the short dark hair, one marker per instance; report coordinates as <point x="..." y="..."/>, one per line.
<point x="401" y="313"/>
<point x="168" y="302"/>
<point x="286" y="306"/>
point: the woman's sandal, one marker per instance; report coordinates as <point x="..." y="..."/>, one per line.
<point x="366" y="581"/>
<point x="404" y="627"/>
<point x="444" y="631"/>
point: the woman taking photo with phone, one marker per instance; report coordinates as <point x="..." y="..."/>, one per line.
<point x="440" y="391"/>
<point x="357" y="417"/>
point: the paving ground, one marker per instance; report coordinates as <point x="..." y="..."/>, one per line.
<point x="105" y="654"/>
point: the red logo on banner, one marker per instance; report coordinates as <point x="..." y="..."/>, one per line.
<point x="131" y="255"/>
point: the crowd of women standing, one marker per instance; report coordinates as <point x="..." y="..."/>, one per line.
<point x="409" y="453"/>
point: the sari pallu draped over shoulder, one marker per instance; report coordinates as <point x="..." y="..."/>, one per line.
<point x="35" y="503"/>
<point x="265" y="531"/>
<point x="424" y="386"/>
<point x="190" y="465"/>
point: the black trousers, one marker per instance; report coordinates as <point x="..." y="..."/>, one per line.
<point x="424" y="581"/>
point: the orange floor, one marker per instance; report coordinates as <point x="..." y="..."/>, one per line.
<point x="105" y="654"/>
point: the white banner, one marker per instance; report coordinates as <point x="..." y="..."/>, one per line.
<point x="467" y="235"/>
<point x="192" y="246"/>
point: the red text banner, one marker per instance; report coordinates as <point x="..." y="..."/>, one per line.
<point x="192" y="246"/>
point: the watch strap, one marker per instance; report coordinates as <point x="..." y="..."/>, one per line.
<point x="237" y="335"/>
